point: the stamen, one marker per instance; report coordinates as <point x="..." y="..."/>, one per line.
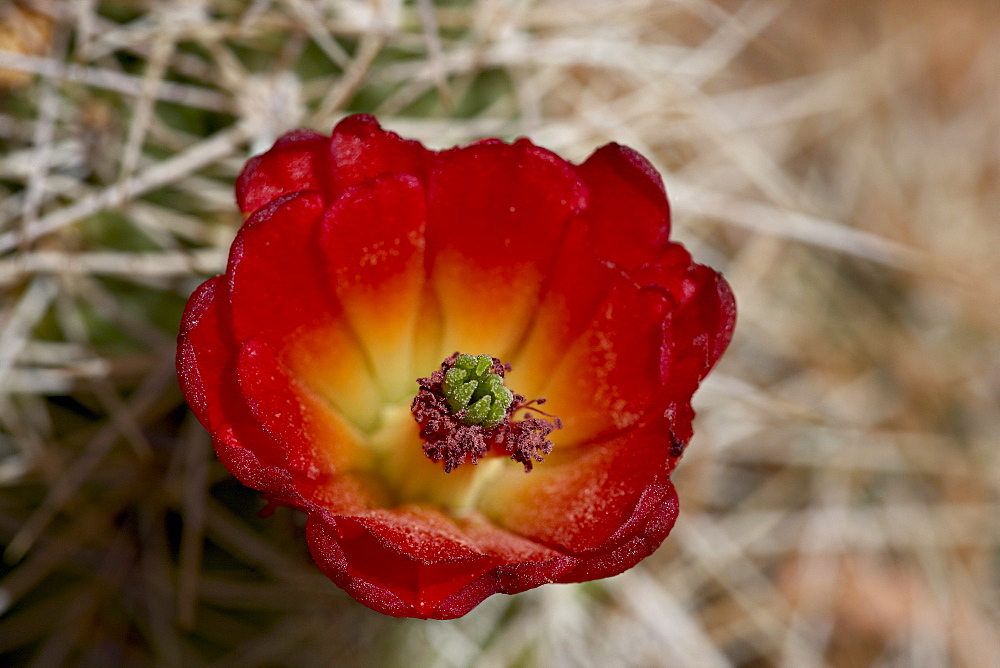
<point x="464" y="410"/>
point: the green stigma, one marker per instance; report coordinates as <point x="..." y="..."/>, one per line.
<point x="471" y="385"/>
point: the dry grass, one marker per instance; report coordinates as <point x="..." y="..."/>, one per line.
<point x="838" y="161"/>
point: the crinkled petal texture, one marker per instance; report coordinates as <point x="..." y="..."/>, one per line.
<point x="364" y="261"/>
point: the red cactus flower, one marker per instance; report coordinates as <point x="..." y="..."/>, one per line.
<point x="365" y="262"/>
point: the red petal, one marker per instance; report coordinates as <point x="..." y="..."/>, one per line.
<point x="649" y="525"/>
<point x="362" y="150"/>
<point x="700" y="326"/>
<point x="297" y="161"/>
<point x="527" y="564"/>
<point x="628" y="211"/>
<point x="416" y="562"/>
<point x="654" y="337"/>
<point x="203" y="350"/>
<point x="253" y="471"/>
<point x="588" y="500"/>
<point x="373" y="240"/>
<point x="206" y="368"/>
<point x="580" y="284"/>
<point x="277" y="296"/>
<point x="410" y="559"/>
<point x="316" y="440"/>
<point x="273" y="269"/>
<point x="610" y="376"/>
<point x="496" y="217"/>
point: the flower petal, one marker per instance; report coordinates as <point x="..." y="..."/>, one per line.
<point x="207" y="371"/>
<point x="650" y="523"/>
<point x="628" y="213"/>
<point x="203" y="350"/>
<point x="272" y="273"/>
<point x="362" y="150"/>
<point x="656" y="334"/>
<point x="372" y="238"/>
<point x="496" y="217"/>
<point x="580" y="283"/>
<point x="700" y="327"/>
<point x="254" y="471"/>
<point x="590" y="499"/>
<point x="317" y="440"/>
<point x="417" y="562"/>
<point x="696" y="332"/>
<point x="296" y="162"/>
<point x="278" y="295"/>
<point x="610" y="376"/>
<point x="410" y="559"/>
<point x="526" y="563"/>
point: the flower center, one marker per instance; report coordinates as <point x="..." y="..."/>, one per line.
<point x="474" y="388"/>
<point x="464" y="411"/>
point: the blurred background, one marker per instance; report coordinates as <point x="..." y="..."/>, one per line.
<point x="838" y="161"/>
